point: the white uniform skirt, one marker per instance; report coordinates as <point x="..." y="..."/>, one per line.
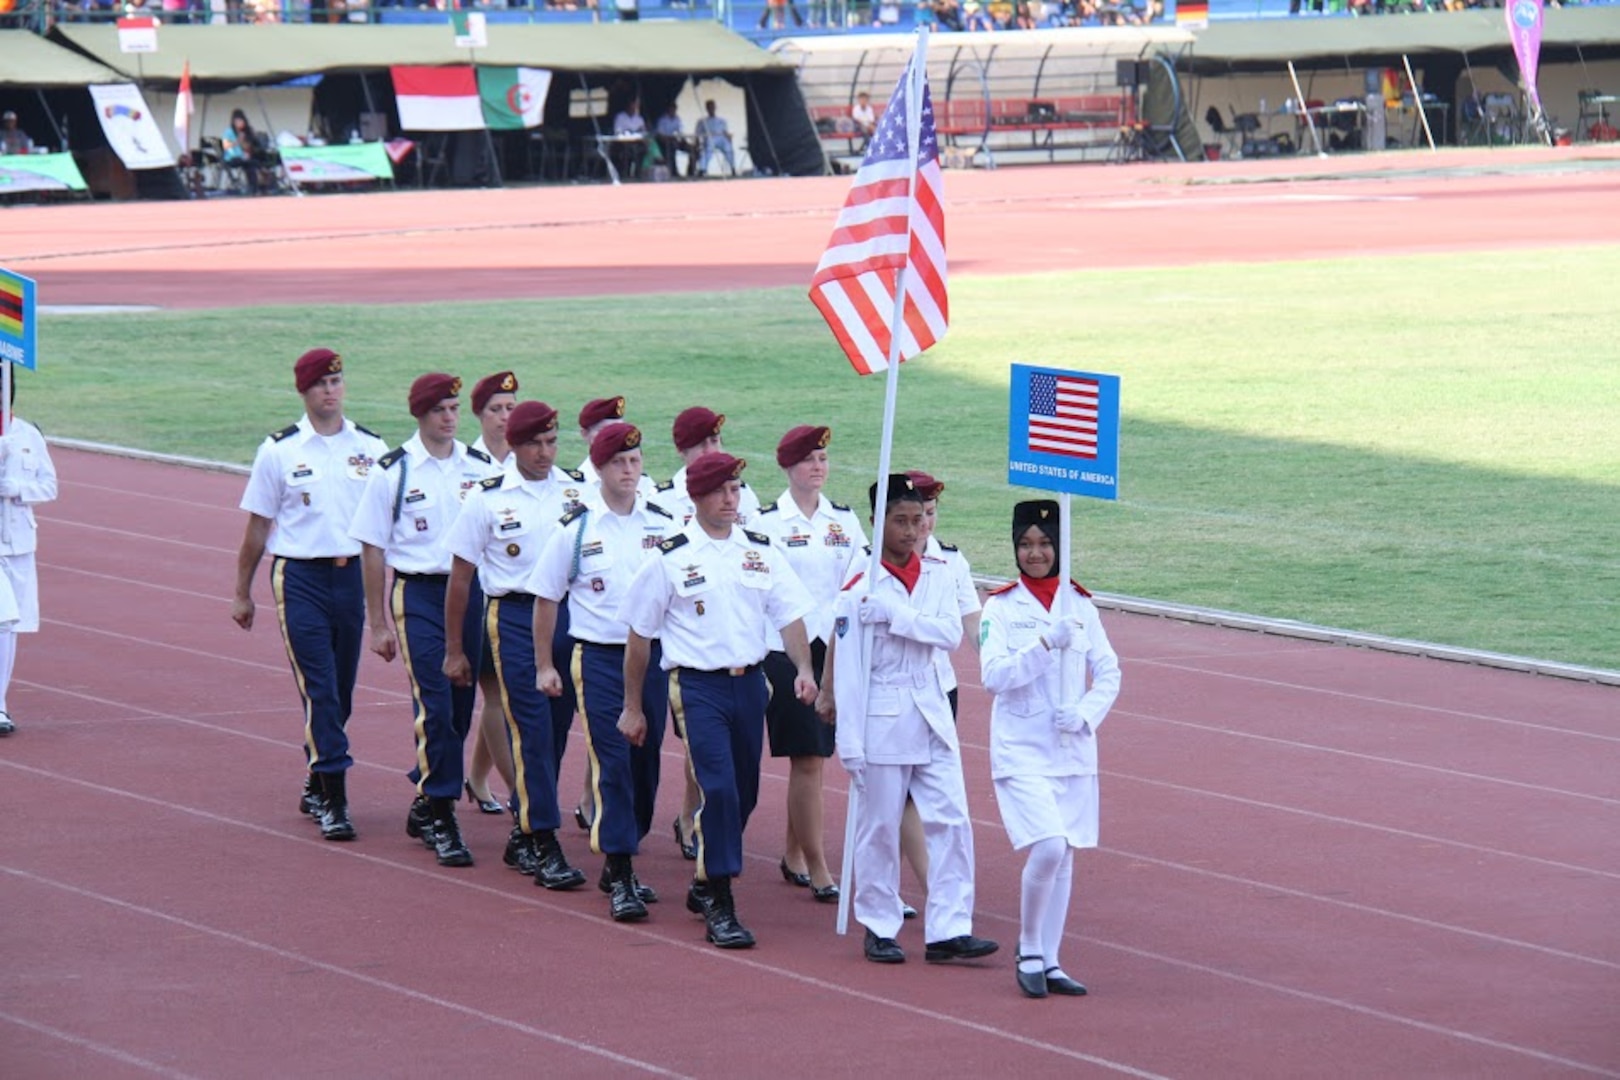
<point x="1037" y="807"/>
<point x="23" y="584"/>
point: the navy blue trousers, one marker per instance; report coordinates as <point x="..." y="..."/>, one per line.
<point x="322" y="611"/>
<point x="509" y="621"/>
<point x="624" y="778"/>
<point x="722" y="718"/>
<point x="443" y="712"/>
<point x="562" y="708"/>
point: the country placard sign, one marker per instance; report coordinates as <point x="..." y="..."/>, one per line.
<point x="18" y="332"/>
<point x="137" y="34"/>
<point x="1063" y="431"/>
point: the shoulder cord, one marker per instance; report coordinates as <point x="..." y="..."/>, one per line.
<point x="399" y="492"/>
<point x="579" y="540"/>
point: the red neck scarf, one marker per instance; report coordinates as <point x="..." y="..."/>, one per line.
<point x="1043" y="589"/>
<point x="908" y="573"/>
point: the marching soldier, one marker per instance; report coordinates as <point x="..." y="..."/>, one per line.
<point x="495" y="543"/>
<point x="591" y="562"/>
<point x="410" y="501"/>
<point x="708" y="598"/>
<point x="301" y="495"/>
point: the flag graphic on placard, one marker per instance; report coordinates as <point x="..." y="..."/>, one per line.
<point x="1063" y="415"/>
<point x="12" y="315"/>
<point x="880" y="231"/>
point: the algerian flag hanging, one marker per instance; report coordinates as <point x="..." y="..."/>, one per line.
<point x="437" y="98"/>
<point x="513" y="97"/>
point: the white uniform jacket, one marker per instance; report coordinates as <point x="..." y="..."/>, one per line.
<point x="710" y="600"/>
<point x="411" y="500"/>
<point x="28" y="464"/>
<point x="309" y="485"/>
<point x="887" y="721"/>
<point x="820" y="548"/>
<point x="506" y="522"/>
<point x="1023" y="676"/>
<point x="591" y="560"/>
<point x="967" y="597"/>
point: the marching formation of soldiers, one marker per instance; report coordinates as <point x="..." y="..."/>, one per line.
<point x="598" y="592"/>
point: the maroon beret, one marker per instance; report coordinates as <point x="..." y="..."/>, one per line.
<point x="428" y="390"/>
<point x="696" y="424"/>
<point x="314" y="366"/>
<point x="502" y="382"/>
<point x="528" y="420"/>
<point x="798" y="442"/>
<point x="613" y="439"/>
<point x="600" y="409"/>
<point x="709" y="472"/>
<point x="926" y="485"/>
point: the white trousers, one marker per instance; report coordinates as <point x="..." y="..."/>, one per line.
<point x="941" y="800"/>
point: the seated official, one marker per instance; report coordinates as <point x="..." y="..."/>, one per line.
<point x="671" y="139"/>
<point x="13" y="139"/>
<point x="713" y="137"/>
<point x="630" y="129"/>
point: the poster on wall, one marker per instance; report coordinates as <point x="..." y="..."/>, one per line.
<point x="131" y="130"/>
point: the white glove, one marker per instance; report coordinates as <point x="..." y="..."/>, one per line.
<point x="856" y="767"/>
<point x="1060" y="635"/>
<point x="875" y="609"/>
<point x="8" y="487"/>
<point x="1070" y="720"/>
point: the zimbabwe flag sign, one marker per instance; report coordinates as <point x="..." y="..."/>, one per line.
<point x="17" y="336"/>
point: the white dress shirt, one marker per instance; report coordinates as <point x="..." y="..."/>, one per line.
<point x="506" y="523"/>
<point x="309" y="486"/>
<point x="592" y="559"/>
<point x="820" y="548"/>
<point x="411" y="500"/>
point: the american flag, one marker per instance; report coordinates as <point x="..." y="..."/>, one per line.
<point x="879" y="232"/>
<point x="1062" y="415"/>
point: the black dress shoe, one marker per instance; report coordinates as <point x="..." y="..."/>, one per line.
<point x="883" y="950"/>
<point x="6" y="726"/>
<point x="520" y="854"/>
<point x="688" y="848"/>
<point x="965" y="947"/>
<point x="793" y="877"/>
<point x="309" y="803"/>
<point x="419" y="822"/>
<point x="552" y="871"/>
<point x="623" y="903"/>
<point x="334" y="815"/>
<point x="447" y="844"/>
<point x="1062" y="984"/>
<point x="825" y="894"/>
<point x="1032" y="983"/>
<point x="580" y="819"/>
<point x="645" y="893"/>
<point x="485" y="806"/>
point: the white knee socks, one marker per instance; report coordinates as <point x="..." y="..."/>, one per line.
<point x="1041" y="872"/>
<point x="8" y="660"/>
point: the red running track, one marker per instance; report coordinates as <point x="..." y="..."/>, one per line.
<point x="1317" y="861"/>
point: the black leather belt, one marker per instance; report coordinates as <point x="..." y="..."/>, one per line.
<point x="734" y="672"/>
<point x="422" y="577"/>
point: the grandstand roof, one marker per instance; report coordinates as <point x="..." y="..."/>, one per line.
<point x="259" y="54"/>
<point x="26" y="59"/>
<point x="1270" y="42"/>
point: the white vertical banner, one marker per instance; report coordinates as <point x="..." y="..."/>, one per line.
<point x="131" y="130"/>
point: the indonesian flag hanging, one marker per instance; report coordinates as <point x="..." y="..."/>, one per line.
<point x="438" y="98"/>
<point x="183" y="108"/>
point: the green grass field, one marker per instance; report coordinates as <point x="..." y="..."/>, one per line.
<point x="1426" y="447"/>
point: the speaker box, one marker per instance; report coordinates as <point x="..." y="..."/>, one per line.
<point x="1130" y="74"/>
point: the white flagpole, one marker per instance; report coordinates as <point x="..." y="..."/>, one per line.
<point x="916" y="79"/>
<point x="1060" y="606"/>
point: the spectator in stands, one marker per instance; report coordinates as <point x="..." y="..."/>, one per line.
<point x="713" y="136"/>
<point x="975" y="17"/>
<point x="775" y="13"/>
<point x="947" y="13"/>
<point x="863" y="115"/>
<point x="243" y="152"/>
<point x="671" y="139"/>
<point x="13" y="139"/>
<point x="630" y="131"/>
<point x="1026" y="18"/>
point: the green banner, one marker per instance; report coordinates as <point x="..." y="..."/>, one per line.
<point x="39" y="172"/>
<point x="343" y="163"/>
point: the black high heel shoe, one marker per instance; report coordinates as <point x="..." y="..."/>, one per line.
<point x="485" y="806"/>
<point x="792" y="877"/>
<point x="825" y="894"/>
<point x="688" y="848"/>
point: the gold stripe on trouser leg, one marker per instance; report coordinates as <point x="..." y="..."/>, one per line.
<point x="677" y="709"/>
<point x="419" y="723"/>
<point x="593" y="767"/>
<point x="492" y="630"/>
<point x="278" y="589"/>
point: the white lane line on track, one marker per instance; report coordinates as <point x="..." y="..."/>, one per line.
<point x="147" y="496"/>
<point x="90" y="1044"/>
<point x="1375" y="758"/>
<point x="710" y="953"/>
<point x="87" y="526"/>
<point x="1334" y="819"/>
<point x="594" y="918"/>
<point x="339" y="970"/>
<point x="119" y="580"/>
